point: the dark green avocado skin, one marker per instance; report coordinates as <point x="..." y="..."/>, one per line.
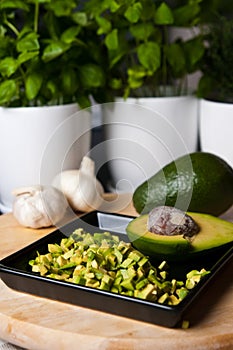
<point x="197" y="182"/>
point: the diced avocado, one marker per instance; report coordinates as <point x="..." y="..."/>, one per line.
<point x="111" y="265"/>
<point x="54" y="248"/>
<point x="214" y="232"/>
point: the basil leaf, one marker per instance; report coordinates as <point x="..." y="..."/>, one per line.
<point x="27" y="56"/>
<point x="149" y="55"/>
<point x="62" y="7"/>
<point x="104" y="24"/>
<point x="142" y="31"/>
<point x="194" y="50"/>
<point x="133" y="12"/>
<point x="176" y="57"/>
<point x="69" y="35"/>
<point x="186" y="15"/>
<point x="14" y="4"/>
<point x="53" y="50"/>
<point x="111" y="40"/>
<point x="28" y="42"/>
<point x="80" y="18"/>
<point x="8" y="66"/>
<point x="92" y="75"/>
<point x="33" y="85"/>
<point x="69" y="81"/>
<point x="163" y="15"/>
<point x="8" y="90"/>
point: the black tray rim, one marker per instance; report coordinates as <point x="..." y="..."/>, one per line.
<point x="175" y="312"/>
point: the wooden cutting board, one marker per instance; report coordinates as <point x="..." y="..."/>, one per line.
<point x="38" y="323"/>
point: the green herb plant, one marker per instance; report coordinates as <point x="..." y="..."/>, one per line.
<point x="216" y="82"/>
<point x="49" y="53"/>
<point x="140" y="59"/>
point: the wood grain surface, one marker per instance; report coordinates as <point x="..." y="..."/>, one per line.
<point x="38" y="323"/>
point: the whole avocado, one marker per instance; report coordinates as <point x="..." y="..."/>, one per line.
<point x="198" y="182"/>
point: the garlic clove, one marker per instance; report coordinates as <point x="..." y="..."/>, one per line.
<point x="88" y="194"/>
<point x="67" y="182"/>
<point x="39" y="206"/>
<point x="87" y="166"/>
<point x="81" y="188"/>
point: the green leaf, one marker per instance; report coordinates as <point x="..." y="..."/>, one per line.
<point x="115" y="56"/>
<point x="104" y="24"/>
<point x="69" y="80"/>
<point x="135" y="76"/>
<point x="13" y="4"/>
<point x="149" y="55"/>
<point x="27" y="56"/>
<point x="194" y="50"/>
<point x="83" y="101"/>
<point x="176" y="58"/>
<point x="33" y="84"/>
<point x="134" y="83"/>
<point x="92" y="75"/>
<point x="80" y="18"/>
<point x="69" y="35"/>
<point x="8" y="90"/>
<point x="5" y="47"/>
<point x="186" y="15"/>
<point x="115" y="83"/>
<point x="28" y="42"/>
<point x="137" y="72"/>
<point x="114" y="6"/>
<point x="133" y="13"/>
<point x="53" y="50"/>
<point x="142" y="31"/>
<point x="52" y="88"/>
<point x="2" y="31"/>
<point x="111" y="40"/>
<point x="205" y="86"/>
<point x="163" y="15"/>
<point x="62" y="7"/>
<point x="8" y="66"/>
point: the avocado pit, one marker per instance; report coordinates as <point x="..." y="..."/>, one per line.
<point x="170" y="221"/>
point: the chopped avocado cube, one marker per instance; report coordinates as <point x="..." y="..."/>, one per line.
<point x="127" y="284"/>
<point x="163" y="298"/>
<point x="55" y="248"/>
<point x="146" y="292"/>
<point x="142" y="283"/>
<point x="126" y="263"/>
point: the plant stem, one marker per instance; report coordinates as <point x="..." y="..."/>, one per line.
<point x="11" y="26"/>
<point x="36" y="16"/>
<point x="164" y="62"/>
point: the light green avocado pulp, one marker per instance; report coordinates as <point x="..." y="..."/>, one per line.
<point x="214" y="233"/>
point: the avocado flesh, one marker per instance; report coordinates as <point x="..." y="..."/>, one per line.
<point x="214" y="233"/>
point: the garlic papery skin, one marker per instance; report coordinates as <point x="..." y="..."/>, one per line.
<point x="39" y="206"/>
<point x="80" y="186"/>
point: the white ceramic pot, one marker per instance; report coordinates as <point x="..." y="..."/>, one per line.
<point x="38" y="142"/>
<point x="142" y="135"/>
<point x="216" y="127"/>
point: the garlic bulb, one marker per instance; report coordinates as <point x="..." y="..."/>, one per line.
<point x="81" y="188"/>
<point x="39" y="206"/>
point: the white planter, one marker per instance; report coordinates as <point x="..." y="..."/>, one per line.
<point x="142" y="135"/>
<point x="216" y="128"/>
<point x="38" y="142"/>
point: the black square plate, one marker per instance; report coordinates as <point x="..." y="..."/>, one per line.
<point x="16" y="274"/>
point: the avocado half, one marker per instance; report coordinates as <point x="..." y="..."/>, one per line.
<point x="214" y="233"/>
